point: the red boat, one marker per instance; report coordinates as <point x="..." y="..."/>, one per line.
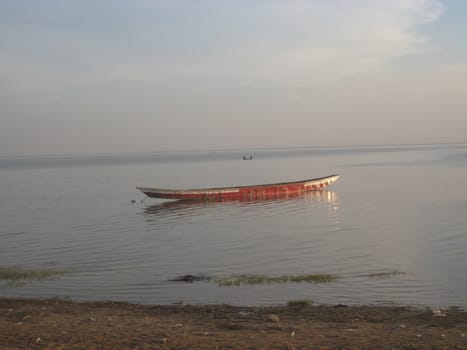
<point x="254" y="192"/>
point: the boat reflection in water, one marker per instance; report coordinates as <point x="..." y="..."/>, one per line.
<point x="183" y="208"/>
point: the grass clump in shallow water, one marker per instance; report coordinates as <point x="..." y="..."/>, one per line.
<point x="267" y="279"/>
<point x="17" y="276"/>
<point x="299" y="303"/>
<point x="313" y="278"/>
<point x="386" y="274"/>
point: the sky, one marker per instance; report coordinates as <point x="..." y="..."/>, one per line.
<point x="113" y="76"/>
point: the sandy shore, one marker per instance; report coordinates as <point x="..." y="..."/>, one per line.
<point x="58" y="324"/>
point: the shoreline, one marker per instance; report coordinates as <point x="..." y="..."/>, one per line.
<point x="64" y="324"/>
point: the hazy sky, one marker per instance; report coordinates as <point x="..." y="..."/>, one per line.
<point x="93" y="76"/>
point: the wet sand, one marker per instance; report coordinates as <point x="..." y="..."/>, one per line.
<point x="59" y="324"/>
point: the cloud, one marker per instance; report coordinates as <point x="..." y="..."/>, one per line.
<point x="356" y="38"/>
<point x="277" y="42"/>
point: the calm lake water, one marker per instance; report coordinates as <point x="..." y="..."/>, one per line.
<point x="398" y="209"/>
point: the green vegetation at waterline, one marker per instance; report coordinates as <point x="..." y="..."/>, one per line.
<point x="299" y="303"/>
<point x="308" y="278"/>
<point x="386" y="274"/>
<point x="266" y="279"/>
<point x="14" y="275"/>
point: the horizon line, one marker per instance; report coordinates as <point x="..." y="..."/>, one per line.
<point x="78" y="154"/>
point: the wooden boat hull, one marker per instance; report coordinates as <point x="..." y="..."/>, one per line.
<point x="255" y="192"/>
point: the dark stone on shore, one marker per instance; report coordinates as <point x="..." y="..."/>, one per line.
<point x="190" y="278"/>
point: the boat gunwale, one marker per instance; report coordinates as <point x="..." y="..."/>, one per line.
<point x="232" y="189"/>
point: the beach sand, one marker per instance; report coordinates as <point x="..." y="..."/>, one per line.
<point x="61" y="324"/>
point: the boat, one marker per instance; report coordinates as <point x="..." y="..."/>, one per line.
<point x="252" y="192"/>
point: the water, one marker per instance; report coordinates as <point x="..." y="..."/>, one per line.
<point x="394" y="209"/>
